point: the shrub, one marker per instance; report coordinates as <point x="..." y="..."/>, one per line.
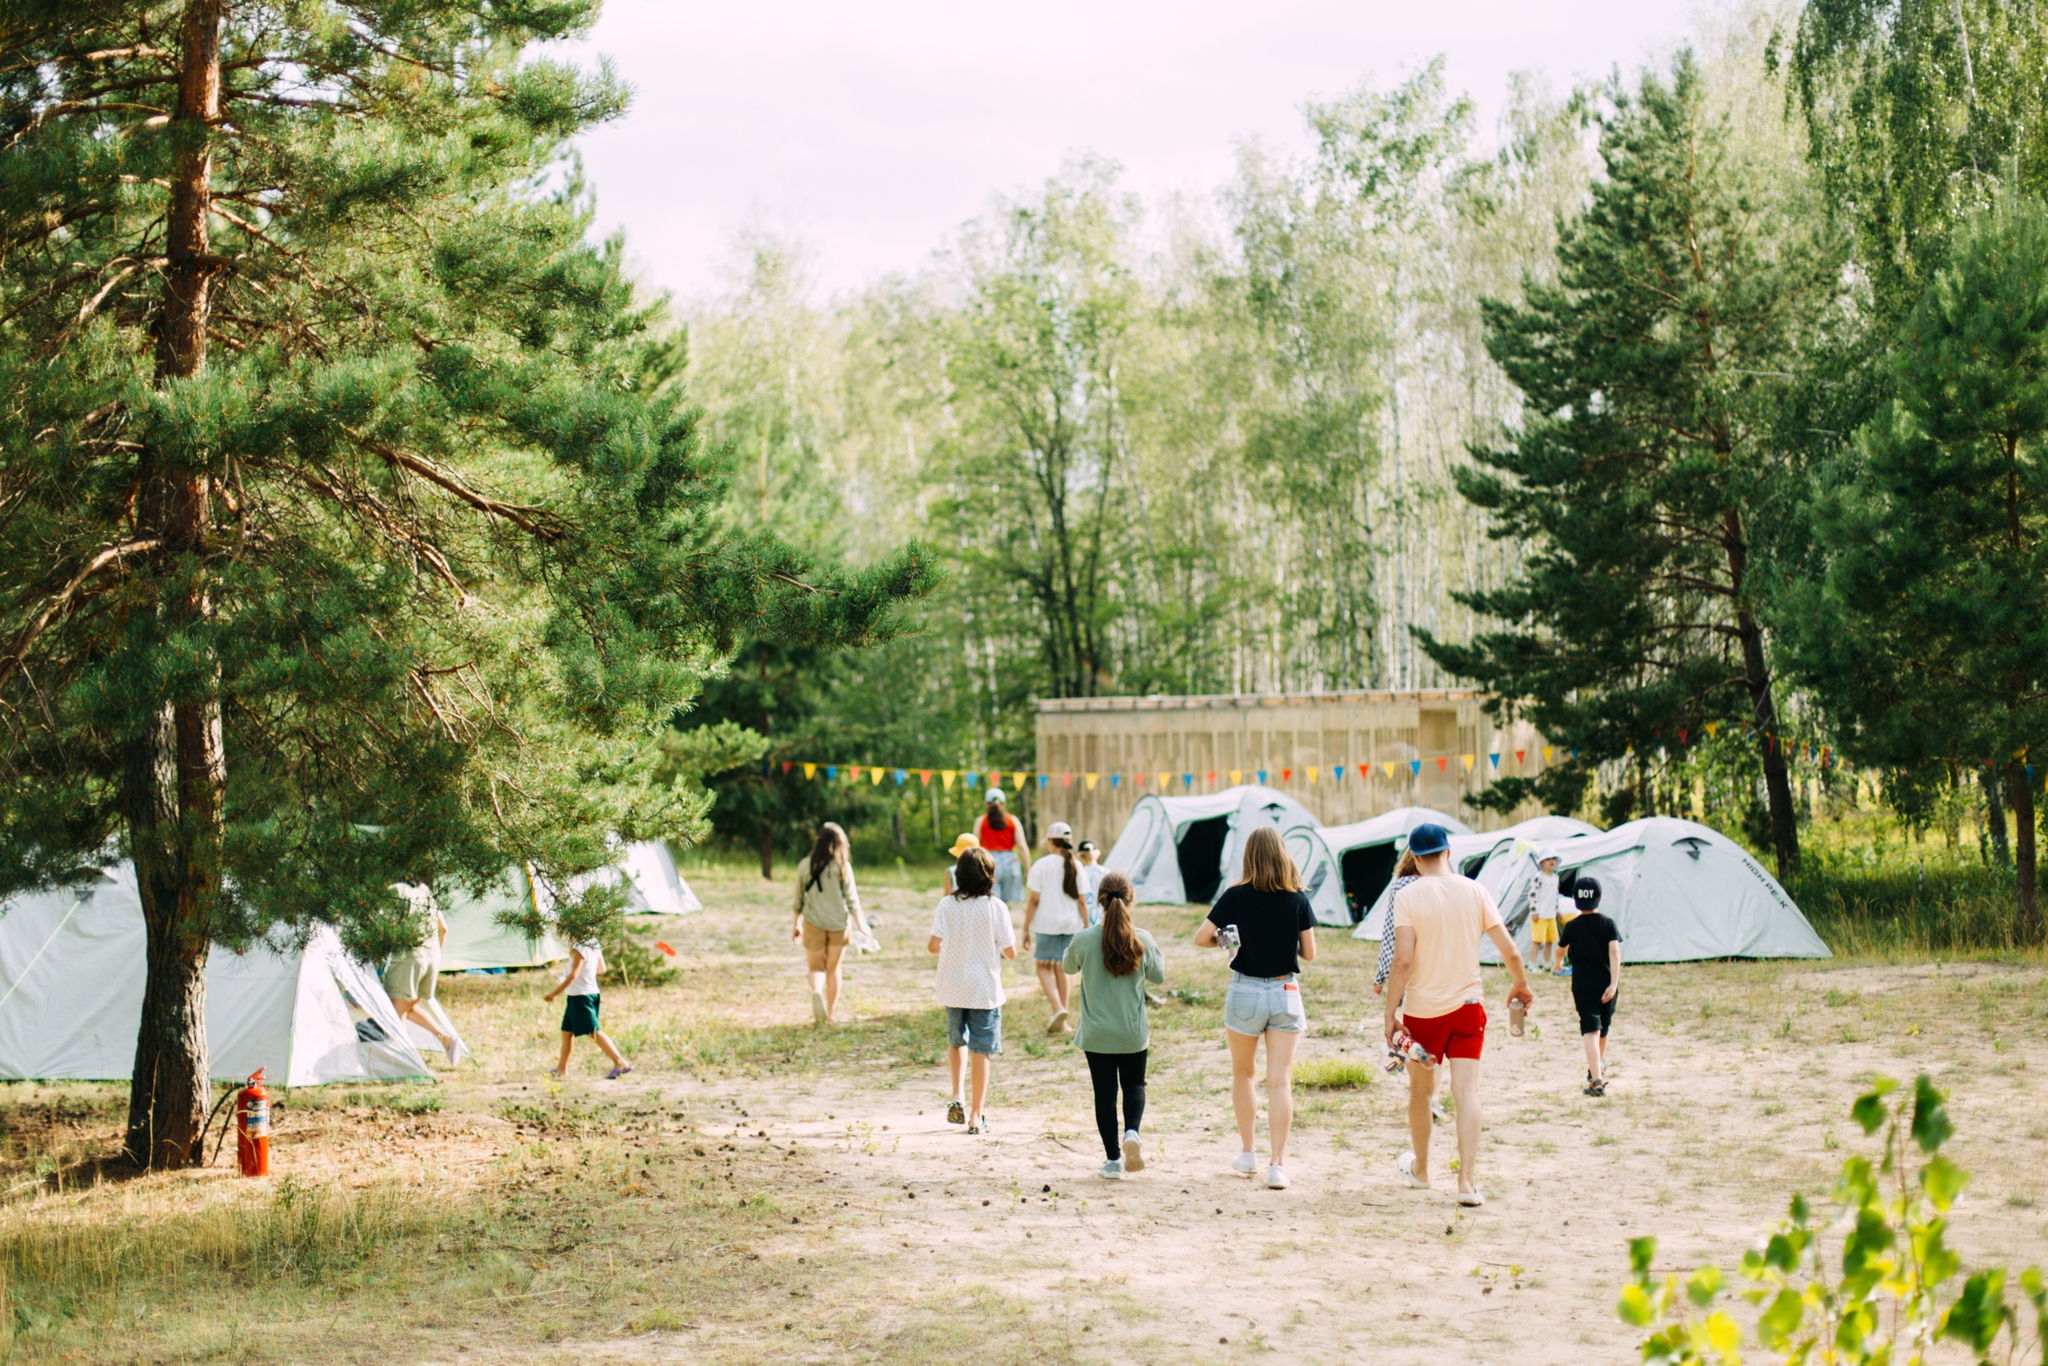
<point x="1888" y="1296"/>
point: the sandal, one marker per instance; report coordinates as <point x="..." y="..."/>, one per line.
<point x="1596" y="1088"/>
<point x="1405" y="1164"/>
<point x="956" y="1113"/>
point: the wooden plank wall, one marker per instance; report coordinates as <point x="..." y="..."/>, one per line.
<point x="1362" y="732"/>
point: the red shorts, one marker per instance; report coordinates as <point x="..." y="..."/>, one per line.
<point x="1460" y="1034"/>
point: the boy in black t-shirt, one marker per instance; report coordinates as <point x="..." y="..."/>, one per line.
<point x="1594" y="945"/>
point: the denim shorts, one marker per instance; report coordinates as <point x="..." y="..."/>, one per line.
<point x="1050" y="948"/>
<point x="979" y="1031"/>
<point x="1009" y="877"/>
<point x="1253" y="1005"/>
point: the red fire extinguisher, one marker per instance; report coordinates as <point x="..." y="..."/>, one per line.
<point x="252" y="1127"/>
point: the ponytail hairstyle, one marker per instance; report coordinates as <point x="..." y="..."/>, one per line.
<point x="829" y="850"/>
<point x="1121" y="950"/>
<point x="1409" y="866"/>
<point x="975" y="874"/>
<point x="1072" y="883"/>
<point x="995" y="817"/>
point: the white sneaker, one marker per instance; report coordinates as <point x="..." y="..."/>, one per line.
<point x="1058" y="1023"/>
<point x="1112" y="1170"/>
<point x="1276" y="1178"/>
<point x="818" y="1007"/>
<point x="1134" y="1151"/>
<point x="1245" y="1164"/>
<point x="458" y="1054"/>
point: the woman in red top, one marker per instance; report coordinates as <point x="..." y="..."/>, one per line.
<point x="1002" y="835"/>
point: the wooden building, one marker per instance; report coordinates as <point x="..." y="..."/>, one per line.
<point x="1346" y="756"/>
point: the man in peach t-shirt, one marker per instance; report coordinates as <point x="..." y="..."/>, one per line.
<point x="1433" y="996"/>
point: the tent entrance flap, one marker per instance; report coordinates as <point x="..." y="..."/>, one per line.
<point x="1367" y="871"/>
<point x="1201" y="857"/>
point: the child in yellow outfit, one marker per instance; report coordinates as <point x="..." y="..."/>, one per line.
<point x="1543" y="910"/>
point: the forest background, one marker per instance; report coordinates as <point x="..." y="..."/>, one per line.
<point x="1431" y="406"/>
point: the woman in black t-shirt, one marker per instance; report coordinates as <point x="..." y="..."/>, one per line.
<point x="1266" y="924"/>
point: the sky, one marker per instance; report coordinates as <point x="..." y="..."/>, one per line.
<point x="870" y="129"/>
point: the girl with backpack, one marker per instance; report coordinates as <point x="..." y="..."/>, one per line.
<point x="1114" y="961"/>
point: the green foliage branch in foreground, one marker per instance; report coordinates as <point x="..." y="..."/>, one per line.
<point x="1889" y="1295"/>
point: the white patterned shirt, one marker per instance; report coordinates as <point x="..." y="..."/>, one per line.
<point x="972" y="935"/>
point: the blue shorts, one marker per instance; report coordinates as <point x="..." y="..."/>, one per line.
<point x="1009" y="877"/>
<point x="1253" y="1005"/>
<point x="1050" y="948"/>
<point x="979" y="1031"/>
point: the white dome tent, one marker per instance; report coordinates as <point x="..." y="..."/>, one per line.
<point x="305" y="1015"/>
<point x="1471" y="855"/>
<point x="657" y="884"/>
<point x="477" y="940"/>
<point x="1678" y="891"/>
<point x="1343" y="867"/>
<point x="1184" y="849"/>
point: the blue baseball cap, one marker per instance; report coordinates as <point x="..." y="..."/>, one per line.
<point x="1428" y="838"/>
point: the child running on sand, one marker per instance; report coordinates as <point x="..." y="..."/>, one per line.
<point x="1594" y="943"/>
<point x="579" y="1012"/>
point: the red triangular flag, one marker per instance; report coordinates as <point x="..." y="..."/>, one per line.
<point x="1518" y="755"/>
<point x="787" y="765"/>
<point x="1681" y="736"/>
<point x="1442" y="764"/>
<point x="664" y="948"/>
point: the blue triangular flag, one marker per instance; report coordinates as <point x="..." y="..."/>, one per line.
<point x="1495" y="758"/>
<point x="1337" y="773"/>
<point x="1116" y="779"/>
<point x="1188" y="779"/>
<point x="972" y="779"/>
<point x="900" y="777"/>
<point x="1043" y="779"/>
<point x="1415" y="765"/>
<point x="1262" y="777"/>
<point x="831" y="772"/>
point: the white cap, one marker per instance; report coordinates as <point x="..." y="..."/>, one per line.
<point x="995" y="794"/>
<point x="1547" y="854"/>
<point x="1059" y="830"/>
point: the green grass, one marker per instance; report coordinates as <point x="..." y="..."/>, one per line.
<point x="1334" y="1074"/>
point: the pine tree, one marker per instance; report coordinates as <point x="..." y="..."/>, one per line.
<point x="1926" y="633"/>
<point x="1647" y="369"/>
<point x="355" y="526"/>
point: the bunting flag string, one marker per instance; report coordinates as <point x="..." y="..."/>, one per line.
<point x="1523" y="761"/>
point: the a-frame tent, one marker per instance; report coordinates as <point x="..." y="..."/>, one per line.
<point x="1180" y="849"/>
<point x="1678" y="891"/>
<point x="477" y="940"/>
<point x="72" y="965"/>
<point x="657" y="886"/>
<point x="1344" y="867"/>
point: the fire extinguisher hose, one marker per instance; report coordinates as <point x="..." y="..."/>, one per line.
<point x="225" y="1124"/>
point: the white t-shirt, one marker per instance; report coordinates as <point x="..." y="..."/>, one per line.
<point x="1058" y="913"/>
<point x="1091" y="882"/>
<point x="1543" y="894"/>
<point x="584" y="983"/>
<point x="972" y="935"/>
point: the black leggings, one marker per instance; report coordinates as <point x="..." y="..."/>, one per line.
<point x="1109" y="1071"/>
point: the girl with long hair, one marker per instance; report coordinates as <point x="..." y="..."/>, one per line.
<point x="1266" y="923"/>
<point x="1002" y="835"/>
<point x="826" y="903"/>
<point x="1054" y="913"/>
<point x="1114" y="961"/>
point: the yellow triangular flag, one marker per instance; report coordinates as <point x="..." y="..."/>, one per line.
<point x="1546" y="754"/>
<point x="1091" y="777"/>
<point x="1467" y="761"/>
<point x="1311" y="775"/>
<point x="1164" y="779"/>
<point x="1389" y="767"/>
<point x="1236" y="776"/>
<point x="875" y="775"/>
<point x="810" y="771"/>
<point x="947" y="775"/>
<point x="1713" y="726"/>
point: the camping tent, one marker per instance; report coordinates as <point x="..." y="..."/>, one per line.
<point x="1676" y="890"/>
<point x="1343" y="867"/>
<point x="477" y="940"/>
<point x="1471" y="855"/>
<point x="658" y="886"/>
<point x="71" y="979"/>
<point x="1180" y="849"/>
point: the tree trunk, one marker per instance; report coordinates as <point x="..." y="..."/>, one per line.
<point x="1994" y="817"/>
<point x="1756" y="674"/>
<point x="2029" y="924"/>
<point x="176" y="777"/>
<point x="767" y="848"/>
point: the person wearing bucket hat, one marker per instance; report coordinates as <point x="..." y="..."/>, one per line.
<point x="1054" y="912"/>
<point x="1434" y="1014"/>
<point x="999" y="832"/>
<point x="961" y="844"/>
<point x="1543" y="910"/>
